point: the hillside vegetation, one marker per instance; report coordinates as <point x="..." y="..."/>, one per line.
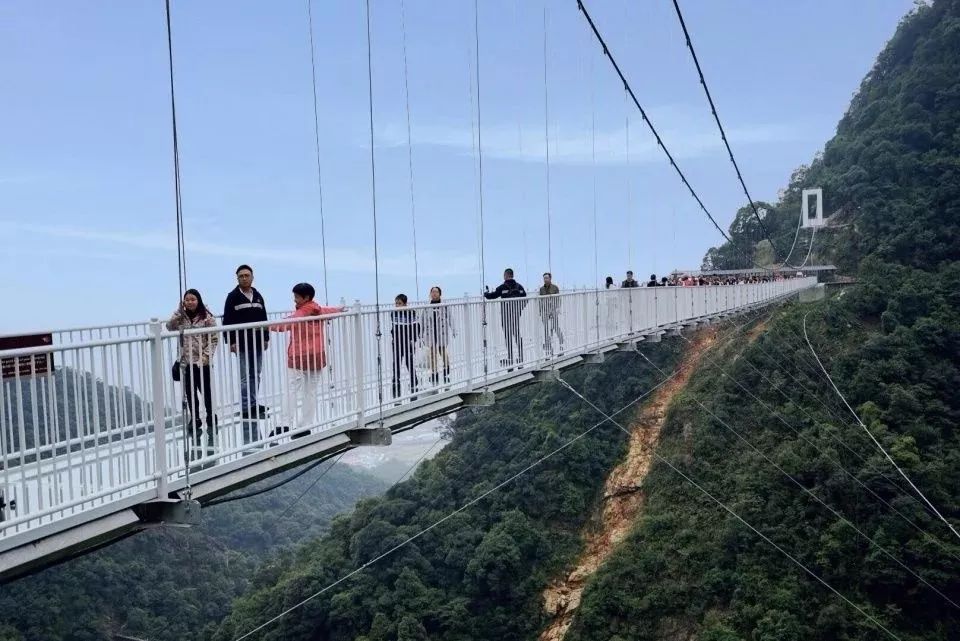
<point x="757" y="427"/>
<point x="169" y="584"/>
<point x="891" y="179"/>
<point x="479" y="574"/>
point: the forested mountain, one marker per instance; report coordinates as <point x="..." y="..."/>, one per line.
<point x="891" y="180"/>
<point x="169" y="584"/>
<point x="786" y="457"/>
<point x="478" y="575"/>
<point x="891" y="175"/>
<point x="757" y="427"/>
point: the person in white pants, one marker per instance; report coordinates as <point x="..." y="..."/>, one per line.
<point x="306" y="357"/>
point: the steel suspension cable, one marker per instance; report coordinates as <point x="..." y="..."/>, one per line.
<point x="473" y="146"/>
<point x="546" y="140"/>
<point x="521" y="85"/>
<point x="796" y="235"/>
<point x="629" y="213"/>
<point x="716" y="117"/>
<point x="406" y="96"/>
<point x="593" y="163"/>
<point x="656" y="134"/>
<point x="181" y="245"/>
<point x="476" y="69"/>
<point x="181" y="242"/>
<point x="316" y="140"/>
<point x="813" y="236"/>
<point x="626" y="127"/>
<point x="376" y="247"/>
<point x="872" y="437"/>
<point x="483" y="266"/>
<point x="629" y="183"/>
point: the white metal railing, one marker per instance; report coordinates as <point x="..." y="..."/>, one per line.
<point x="105" y="421"/>
<point x="83" y="334"/>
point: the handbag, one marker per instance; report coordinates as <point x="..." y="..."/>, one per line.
<point x="176" y="371"/>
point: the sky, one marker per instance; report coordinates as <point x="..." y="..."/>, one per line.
<point x="87" y="214"/>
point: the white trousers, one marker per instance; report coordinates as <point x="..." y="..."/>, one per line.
<point x="302" y="386"/>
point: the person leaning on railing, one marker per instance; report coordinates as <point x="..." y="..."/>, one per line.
<point x="193" y="366"/>
<point x="511" y="310"/>
<point x="306" y="356"/>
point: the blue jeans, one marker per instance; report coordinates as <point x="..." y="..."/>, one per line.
<point x="251" y="366"/>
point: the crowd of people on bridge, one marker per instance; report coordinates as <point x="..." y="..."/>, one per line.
<point x="429" y="330"/>
<point x="678" y="279"/>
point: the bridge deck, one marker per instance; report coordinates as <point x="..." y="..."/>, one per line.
<point x="101" y="430"/>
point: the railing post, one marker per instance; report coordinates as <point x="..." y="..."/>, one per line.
<point x="656" y="309"/>
<point x="586" y="321"/>
<point x="358" y="362"/>
<point x="484" y="328"/>
<point x="159" y="418"/>
<point x="468" y="339"/>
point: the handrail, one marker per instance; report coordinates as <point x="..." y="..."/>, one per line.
<point x="110" y="422"/>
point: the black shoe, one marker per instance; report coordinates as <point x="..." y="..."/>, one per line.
<point x="278" y="431"/>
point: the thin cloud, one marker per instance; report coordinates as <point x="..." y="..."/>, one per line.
<point x="356" y="260"/>
<point x="575" y="146"/>
<point x="18" y="179"/>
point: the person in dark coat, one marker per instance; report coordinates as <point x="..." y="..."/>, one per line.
<point x="630" y="281"/>
<point x="245" y="305"/>
<point x="404" y="332"/>
<point x="514" y="297"/>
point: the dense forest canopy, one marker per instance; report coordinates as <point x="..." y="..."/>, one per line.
<point x="891" y="174"/>
<point x="479" y="575"/>
<point x="169" y="584"/>
<point x="688" y="569"/>
<point x="891" y="181"/>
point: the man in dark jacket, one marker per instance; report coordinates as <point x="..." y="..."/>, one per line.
<point x="510" y="311"/>
<point x="630" y="282"/>
<point x="550" y="313"/>
<point x="404" y="330"/>
<point x="245" y="305"/>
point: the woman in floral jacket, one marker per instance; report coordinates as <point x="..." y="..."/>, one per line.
<point x="196" y="354"/>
